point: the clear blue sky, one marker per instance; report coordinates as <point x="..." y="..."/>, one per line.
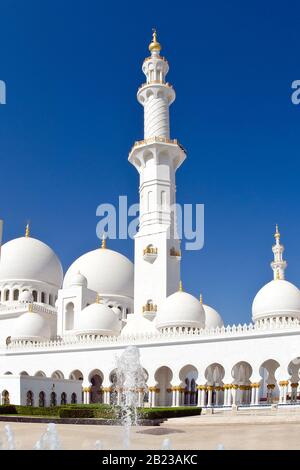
<point x="72" y="69"/>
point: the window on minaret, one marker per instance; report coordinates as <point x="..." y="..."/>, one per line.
<point x="16" y="294"/>
<point x="34" y="295"/>
<point x="69" y="316"/>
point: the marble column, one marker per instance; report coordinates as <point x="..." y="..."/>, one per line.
<point x="209" y="396"/>
<point x="294" y="387"/>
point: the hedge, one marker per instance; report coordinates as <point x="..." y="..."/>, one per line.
<point x="161" y="413"/>
<point x="8" y="410"/>
<point x="97" y="411"/>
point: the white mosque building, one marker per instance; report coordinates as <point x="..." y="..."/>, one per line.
<point x="60" y="334"/>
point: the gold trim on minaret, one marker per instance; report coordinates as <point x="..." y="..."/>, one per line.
<point x="180" y="286"/>
<point x="201" y="299"/>
<point x="98" y="298"/>
<point x="154" y="46"/>
<point x="277" y="234"/>
<point x="30" y="307"/>
<point x="27" y="231"/>
<point x="103" y="245"/>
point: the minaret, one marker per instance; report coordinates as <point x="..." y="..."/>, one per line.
<point x="156" y="158"/>
<point x="279" y="264"/>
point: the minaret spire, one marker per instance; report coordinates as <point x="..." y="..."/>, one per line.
<point x="156" y="158"/>
<point x="279" y="264"/>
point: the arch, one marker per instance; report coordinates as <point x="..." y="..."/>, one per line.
<point x="8" y="373"/>
<point x="43" y="298"/>
<point x="188" y="375"/>
<point x="69" y="316"/>
<point x="23" y="372"/>
<point x="269" y="390"/>
<point x="34" y="296"/>
<point x="8" y="340"/>
<point x="6" y="295"/>
<point x="241" y="373"/>
<point x="96" y="380"/>
<point x="53" y="399"/>
<point x="73" y="398"/>
<point x="293" y="370"/>
<point x="29" y="398"/>
<point x="16" y="293"/>
<point x="63" y="398"/>
<point x="42" y="399"/>
<point x="5" y="400"/>
<point x="163" y="377"/>
<point x="40" y="373"/>
<point x="214" y="374"/>
<point x="50" y="299"/>
<point x="76" y="375"/>
<point x="57" y="374"/>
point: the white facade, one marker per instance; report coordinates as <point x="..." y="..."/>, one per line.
<point x="71" y="328"/>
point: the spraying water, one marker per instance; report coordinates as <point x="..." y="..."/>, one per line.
<point x="131" y="386"/>
<point x="166" y="444"/>
<point x="49" y="440"/>
<point x="10" y="437"/>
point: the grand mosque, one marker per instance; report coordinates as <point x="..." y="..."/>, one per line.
<point x="60" y="333"/>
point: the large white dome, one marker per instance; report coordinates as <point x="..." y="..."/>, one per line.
<point x="212" y="318"/>
<point x="107" y="272"/>
<point x="181" y="309"/>
<point x="27" y="258"/>
<point x="278" y="298"/>
<point x="31" y="327"/>
<point x="97" y="319"/>
<point x="137" y="324"/>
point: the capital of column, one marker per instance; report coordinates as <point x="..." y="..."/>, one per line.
<point x="255" y="385"/>
<point x="234" y="386"/>
<point x="107" y="389"/>
<point x="86" y="389"/>
<point x="294" y="384"/>
<point x="271" y="386"/>
<point x="155" y="389"/>
<point x="210" y="387"/>
<point x="283" y="383"/>
<point x="201" y="387"/>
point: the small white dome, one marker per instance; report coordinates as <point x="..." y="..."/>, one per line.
<point x="26" y="297"/>
<point x="181" y="309"/>
<point x="31" y="327"/>
<point x="278" y="298"/>
<point x="107" y="272"/>
<point x="97" y="319"/>
<point x="26" y="258"/>
<point x="78" y="280"/>
<point x="137" y="324"/>
<point x="212" y="318"/>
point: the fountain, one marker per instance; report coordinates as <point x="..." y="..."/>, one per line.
<point x="49" y="440"/>
<point x="131" y="381"/>
<point x="10" y="437"/>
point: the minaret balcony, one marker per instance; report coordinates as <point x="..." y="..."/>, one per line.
<point x="176" y="254"/>
<point x="150" y="254"/>
<point x="149" y="310"/>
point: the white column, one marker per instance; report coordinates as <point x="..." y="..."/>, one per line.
<point x="229" y="396"/>
<point x="209" y="397"/>
<point x="234" y="394"/>
<point x="257" y="395"/>
<point x="174" y="392"/>
<point x="252" y="394"/>
<point x="199" y="396"/>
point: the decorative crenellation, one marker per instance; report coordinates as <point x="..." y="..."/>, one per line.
<point x="170" y="333"/>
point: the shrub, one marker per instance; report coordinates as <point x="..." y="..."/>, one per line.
<point x="37" y="411"/>
<point x="89" y="411"/>
<point x="162" y="413"/>
<point x="8" y="410"/>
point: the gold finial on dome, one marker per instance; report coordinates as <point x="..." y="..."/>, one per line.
<point x="103" y="246"/>
<point x="180" y="286"/>
<point x="277" y="234"/>
<point x="201" y="299"/>
<point x="30" y="307"/>
<point x="27" y="231"/>
<point x="98" y="299"/>
<point x="277" y="275"/>
<point x="154" y="46"/>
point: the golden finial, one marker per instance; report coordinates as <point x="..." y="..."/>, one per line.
<point x="154" y="46"/>
<point x="180" y="286"/>
<point x="277" y="275"/>
<point x="277" y="234"/>
<point x="103" y="241"/>
<point x="30" y="307"/>
<point x="27" y="231"/>
<point x="98" y="298"/>
<point x="201" y="299"/>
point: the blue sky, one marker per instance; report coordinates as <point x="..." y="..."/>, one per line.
<point x="72" y="69"/>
